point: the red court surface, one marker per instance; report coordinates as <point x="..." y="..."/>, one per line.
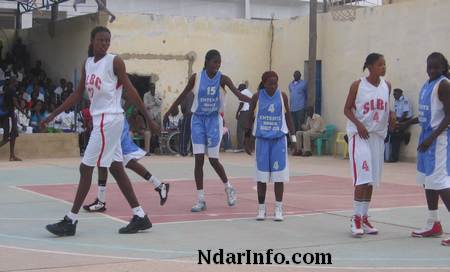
<point x="303" y="195"/>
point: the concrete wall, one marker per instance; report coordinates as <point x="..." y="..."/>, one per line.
<point x="64" y="51"/>
<point x="159" y="42"/>
<point x="405" y="33"/>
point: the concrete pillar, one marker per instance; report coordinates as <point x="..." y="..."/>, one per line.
<point x="248" y="13"/>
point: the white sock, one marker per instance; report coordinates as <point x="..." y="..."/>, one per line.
<point x="365" y="208"/>
<point x="278" y="204"/>
<point x="101" y="193"/>
<point x="201" y="195"/>
<point x="139" y="211"/>
<point x="358" y="207"/>
<point x="72" y="216"/>
<point x="433" y="215"/>
<point x="155" y="181"/>
<point x="227" y="185"/>
<point x="262" y="206"/>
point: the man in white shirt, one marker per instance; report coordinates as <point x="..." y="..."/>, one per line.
<point x="66" y="121"/>
<point x="153" y="102"/>
<point x="59" y="90"/>
<point x="242" y="115"/>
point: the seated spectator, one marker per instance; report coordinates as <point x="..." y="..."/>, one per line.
<point x="66" y="121"/>
<point x="38" y="114"/>
<point x="23" y="117"/>
<point x="312" y="129"/>
<point x="173" y="120"/>
<point x="59" y="90"/>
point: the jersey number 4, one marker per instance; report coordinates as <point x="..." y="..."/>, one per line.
<point x="365" y="166"/>
<point x="271" y="108"/>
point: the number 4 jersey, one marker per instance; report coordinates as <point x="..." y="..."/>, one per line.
<point x="371" y="108"/>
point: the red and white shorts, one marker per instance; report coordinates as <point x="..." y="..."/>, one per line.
<point x="104" y="143"/>
<point x="366" y="159"/>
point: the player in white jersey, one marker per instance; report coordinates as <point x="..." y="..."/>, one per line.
<point x="207" y="125"/>
<point x="368" y="113"/>
<point x="433" y="156"/>
<point x="103" y="76"/>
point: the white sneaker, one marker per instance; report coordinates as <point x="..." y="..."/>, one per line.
<point x="199" y="206"/>
<point x="231" y="196"/>
<point x="261" y="213"/>
<point x="356" y="226"/>
<point x="279" y="213"/>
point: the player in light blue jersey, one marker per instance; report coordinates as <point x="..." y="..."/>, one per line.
<point x="207" y="124"/>
<point x="433" y="153"/>
<point x="270" y="122"/>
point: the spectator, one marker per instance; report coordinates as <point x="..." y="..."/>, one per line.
<point x="66" y="121"/>
<point x="403" y="113"/>
<point x="298" y="99"/>
<point x="312" y="129"/>
<point x="23" y="117"/>
<point x="59" y="90"/>
<point x="38" y="114"/>
<point x="174" y="119"/>
<point x="185" y="124"/>
<point x="38" y="72"/>
<point x="226" y="135"/>
<point x="153" y="102"/>
<point x="8" y="102"/>
<point x="242" y="115"/>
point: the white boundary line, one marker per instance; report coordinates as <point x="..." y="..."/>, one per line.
<point x="366" y="268"/>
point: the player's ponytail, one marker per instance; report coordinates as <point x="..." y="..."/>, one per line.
<point x="371" y="59"/>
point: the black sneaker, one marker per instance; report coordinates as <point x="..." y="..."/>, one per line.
<point x="136" y="224"/>
<point x="163" y="191"/>
<point x="96" y="206"/>
<point x="64" y="227"/>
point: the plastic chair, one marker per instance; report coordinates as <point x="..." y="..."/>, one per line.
<point x="341" y="141"/>
<point x="324" y="139"/>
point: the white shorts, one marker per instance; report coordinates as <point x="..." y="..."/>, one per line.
<point x="136" y="155"/>
<point x="433" y="165"/>
<point x="366" y="159"/>
<point x="104" y="143"/>
<point x="272" y="164"/>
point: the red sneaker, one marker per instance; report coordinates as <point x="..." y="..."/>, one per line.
<point x="433" y="229"/>
<point x="367" y="227"/>
<point x="446" y="242"/>
<point x="356" y="226"/>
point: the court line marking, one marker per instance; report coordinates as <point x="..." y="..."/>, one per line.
<point x="318" y="267"/>
<point x="57" y="241"/>
<point x="65" y="202"/>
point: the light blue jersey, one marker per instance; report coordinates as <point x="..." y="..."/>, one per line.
<point x="208" y="94"/>
<point x="433" y="165"/>
<point x="270" y="120"/>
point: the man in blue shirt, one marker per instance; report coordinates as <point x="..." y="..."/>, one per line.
<point x="403" y="113"/>
<point x="298" y="93"/>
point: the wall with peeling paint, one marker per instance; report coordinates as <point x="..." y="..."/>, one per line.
<point x="158" y="45"/>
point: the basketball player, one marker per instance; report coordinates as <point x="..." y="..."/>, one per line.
<point x="131" y="154"/>
<point x="367" y="110"/>
<point x="207" y="124"/>
<point x="103" y="76"/>
<point x="433" y="152"/>
<point x="270" y="126"/>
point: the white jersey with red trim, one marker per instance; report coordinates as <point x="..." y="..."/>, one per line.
<point x="103" y="86"/>
<point x="371" y="108"/>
